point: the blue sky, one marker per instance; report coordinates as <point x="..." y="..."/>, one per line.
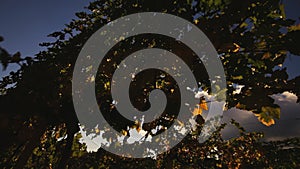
<point x="26" y="23"/>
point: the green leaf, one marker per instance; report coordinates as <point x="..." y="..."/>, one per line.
<point x="243" y="25"/>
<point x="218" y="2"/>
<point x="254" y="19"/>
<point x="221" y="95"/>
<point x="240" y="77"/>
<point x="268" y="114"/>
<point x="272" y="111"/>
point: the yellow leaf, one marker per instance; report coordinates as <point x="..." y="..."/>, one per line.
<point x="240" y="106"/>
<point x="137" y="126"/>
<point x="88" y="69"/>
<point x="294" y="27"/>
<point x="267" y="115"/>
<point x="203" y="105"/>
<point x="90" y="79"/>
<point x="197" y="111"/>
<point x="97" y="130"/>
<point x="240" y="77"/>
<point x="254" y="19"/>
<point x="57" y="135"/>
<point x="243" y="25"/>
<point x="107" y="85"/>
<point x="264" y="121"/>
<point x="237" y="48"/>
<point x="63" y="71"/>
<point x="199" y="107"/>
<point x="180" y="123"/>
<point x="124" y="132"/>
<point x="266" y="55"/>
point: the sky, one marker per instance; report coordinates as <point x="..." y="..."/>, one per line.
<point x="26" y="23"/>
<point x="288" y="126"/>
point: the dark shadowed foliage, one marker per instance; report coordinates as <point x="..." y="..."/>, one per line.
<point x="39" y="125"/>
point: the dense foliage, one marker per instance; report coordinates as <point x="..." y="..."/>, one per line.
<point x="252" y="38"/>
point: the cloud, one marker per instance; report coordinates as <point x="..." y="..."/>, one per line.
<point x="287" y="126"/>
<point x="285" y="97"/>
